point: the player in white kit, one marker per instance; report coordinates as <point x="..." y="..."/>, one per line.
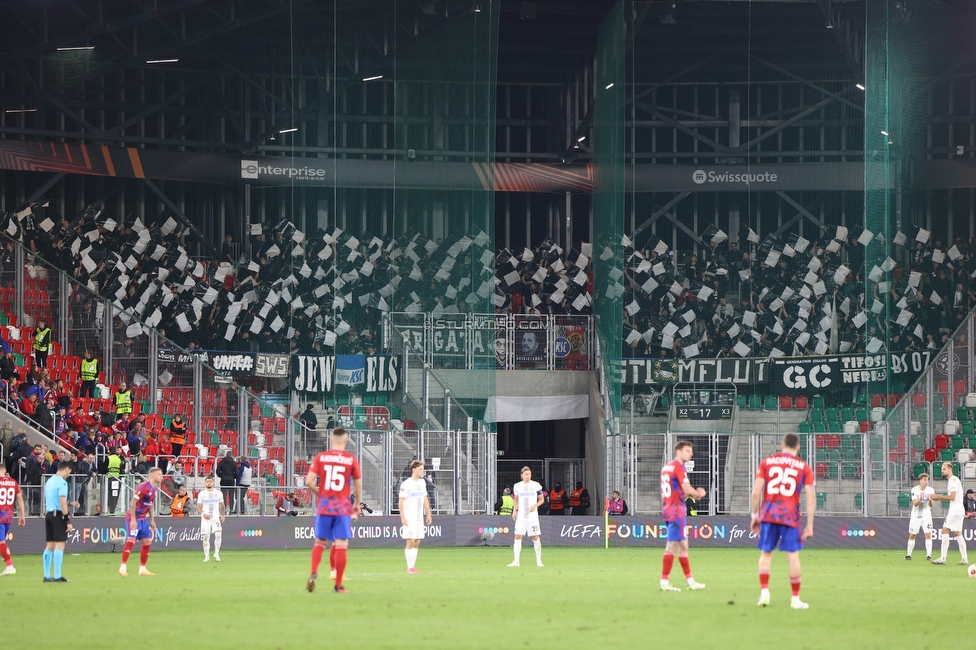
<point x="210" y="505"/>
<point x="953" y="519"/>
<point x="528" y="498"/>
<point x="414" y="512"/>
<point x="921" y="516"/>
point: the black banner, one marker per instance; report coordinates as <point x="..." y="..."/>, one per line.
<point x="638" y="372"/>
<point x="316" y="374"/>
<point x="791" y="374"/>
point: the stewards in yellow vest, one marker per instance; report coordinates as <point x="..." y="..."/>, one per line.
<point x="123" y="401"/>
<point x="114" y="483"/>
<point x="42" y="343"/>
<point x="505" y="503"/>
<point x="89" y="375"/>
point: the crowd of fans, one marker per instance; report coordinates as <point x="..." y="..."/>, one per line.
<point x="794" y="296"/>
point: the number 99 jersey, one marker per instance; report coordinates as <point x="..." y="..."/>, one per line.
<point x="785" y="476"/>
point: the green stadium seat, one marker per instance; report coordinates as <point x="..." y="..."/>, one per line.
<point x="852" y="470"/>
<point x="939" y="414"/>
<point x="803" y="427"/>
<point x="821" y="499"/>
<point x="967" y="428"/>
<point x="369" y="400"/>
<point x="921" y="414"/>
<point x="741" y="401"/>
<point x="858" y="500"/>
<point x="816" y="414"/>
<point x="957" y="442"/>
<point x="946" y="455"/>
<point x="755" y="402"/>
<point x="818" y="402"/>
<point x="832" y="415"/>
<point x="819" y="427"/>
<point x="963" y="414"/>
<point x="847" y="414"/>
<point x="835" y="427"/>
<point x="822" y="456"/>
<point x="904" y="500"/>
<point x="833" y="470"/>
<point x="663" y="403"/>
<point x="918" y="443"/>
<point x="875" y="442"/>
<point x="381" y="399"/>
<point x="770" y="402"/>
<point x="851" y="455"/>
<point x="860" y="414"/>
<point x="877" y="455"/>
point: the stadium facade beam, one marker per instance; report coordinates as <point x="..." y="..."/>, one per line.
<point x="664" y="210"/>
<point x="799" y="208"/>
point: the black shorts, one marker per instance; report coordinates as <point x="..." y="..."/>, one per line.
<point x="55" y="527"/>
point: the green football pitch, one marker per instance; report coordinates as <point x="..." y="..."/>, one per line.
<point x="468" y="598"/>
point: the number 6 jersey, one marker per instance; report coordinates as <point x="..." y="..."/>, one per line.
<point x="785" y="476"/>
<point x="336" y="471"/>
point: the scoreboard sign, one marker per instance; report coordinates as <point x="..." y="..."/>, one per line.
<point x="713" y="412"/>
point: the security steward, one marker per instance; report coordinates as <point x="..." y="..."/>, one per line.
<point x="114" y="472"/>
<point x="177" y="434"/>
<point x="579" y="500"/>
<point x="505" y="503"/>
<point x="123" y="401"/>
<point x="180" y="501"/>
<point x="89" y="374"/>
<point x="557" y="500"/>
<point x="42" y="343"/>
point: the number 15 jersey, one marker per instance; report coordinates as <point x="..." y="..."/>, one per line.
<point x="785" y="476"/>
<point x="335" y="471"/>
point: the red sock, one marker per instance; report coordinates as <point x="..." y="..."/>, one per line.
<point x="795" y="583"/>
<point x="764" y="581"/>
<point x="667" y="564"/>
<point x="5" y="554"/>
<point x="685" y="566"/>
<point x="144" y="555"/>
<point x="332" y="552"/>
<point x="340" y="565"/>
<point x="317" y="552"/>
<point x="129" y="543"/>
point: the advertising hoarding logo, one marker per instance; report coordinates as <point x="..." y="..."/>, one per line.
<point x="699" y="176"/>
<point x="249" y="169"/>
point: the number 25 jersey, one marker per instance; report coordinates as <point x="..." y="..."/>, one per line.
<point x="785" y="476"/>
<point x="336" y="471"/>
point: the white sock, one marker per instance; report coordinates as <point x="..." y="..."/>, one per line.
<point x="122" y="567"/>
<point x="206" y="545"/>
<point x="945" y="546"/>
<point x="962" y="547"/>
<point x="928" y="547"/>
<point x="517" y="547"/>
<point x="217" y="537"/>
<point x="411" y="554"/>
<point x="538" y="550"/>
<point x="911" y="546"/>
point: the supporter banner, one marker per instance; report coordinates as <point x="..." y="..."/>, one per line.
<point x="103" y="534"/>
<point x="320" y="374"/>
<point x="238" y="363"/>
<point x="670" y="371"/>
<point x="788" y="374"/>
<point x="531" y="335"/>
<point x="271" y="365"/>
<point x="350" y="369"/>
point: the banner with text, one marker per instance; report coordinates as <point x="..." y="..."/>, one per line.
<point x="320" y="374"/>
<point x="100" y="534"/>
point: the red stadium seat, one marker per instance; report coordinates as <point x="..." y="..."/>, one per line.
<point x="802" y="402"/>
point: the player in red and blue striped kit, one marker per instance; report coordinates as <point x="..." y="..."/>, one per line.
<point x="776" y="513"/>
<point x="9" y="496"/>
<point x="140" y="523"/>
<point x="675" y="487"/>
<point x="329" y="479"/>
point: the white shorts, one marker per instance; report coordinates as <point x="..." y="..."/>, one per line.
<point x="413" y="530"/>
<point x="208" y="526"/>
<point x="953" y="523"/>
<point x="920" y="523"/>
<point x="529" y="526"/>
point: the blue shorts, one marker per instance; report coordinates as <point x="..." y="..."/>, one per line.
<point x="333" y="527"/>
<point x="787" y="537"/>
<point x="676" y="530"/>
<point x="142" y="529"/>
<point x="4" y="529"/>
